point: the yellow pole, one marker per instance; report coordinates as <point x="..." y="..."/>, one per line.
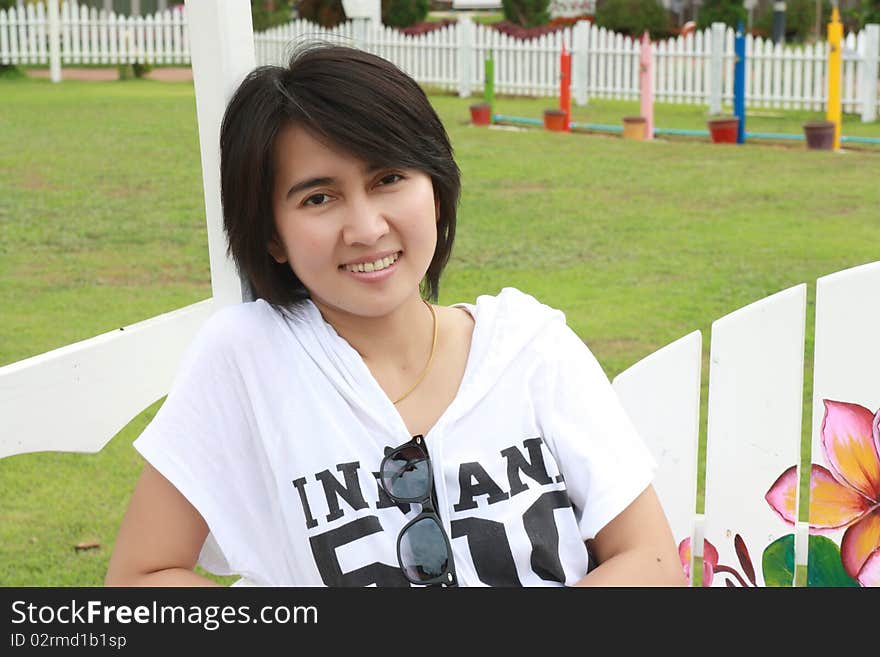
<point x="835" y="36"/>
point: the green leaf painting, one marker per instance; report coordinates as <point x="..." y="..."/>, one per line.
<point x="824" y="567"/>
<point x="778" y="562"/>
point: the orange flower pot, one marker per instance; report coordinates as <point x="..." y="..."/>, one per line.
<point x="481" y="114"/>
<point x="723" y="129"/>
<point x="635" y="127"/>
<point x="555" y="119"/>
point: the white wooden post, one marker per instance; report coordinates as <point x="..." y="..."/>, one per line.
<point x="108" y="6"/>
<point x="716" y="69"/>
<point x="580" y="41"/>
<point x="222" y="53"/>
<point x="94" y="387"/>
<point x="54" y="42"/>
<point x="163" y="5"/>
<point x="868" y="83"/>
<point x="359" y="32"/>
<point x="366" y="17"/>
<point x="135" y="7"/>
<point x="465" y="54"/>
<point x="369" y="9"/>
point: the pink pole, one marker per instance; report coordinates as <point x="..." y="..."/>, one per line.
<point x="646" y="74"/>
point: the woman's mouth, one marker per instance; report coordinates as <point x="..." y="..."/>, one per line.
<point x="374" y="266"/>
<point x="375" y="270"/>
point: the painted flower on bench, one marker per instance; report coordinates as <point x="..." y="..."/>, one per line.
<point x="845" y="494"/>
<point x="711" y="567"/>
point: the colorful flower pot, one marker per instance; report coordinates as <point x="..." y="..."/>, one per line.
<point x="723" y="129"/>
<point x="481" y="114"/>
<point x="555" y="119"/>
<point x="635" y="127"/>
<point x="819" y="135"/>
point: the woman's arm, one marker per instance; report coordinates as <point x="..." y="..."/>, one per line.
<point x="160" y="537"/>
<point x="636" y="548"/>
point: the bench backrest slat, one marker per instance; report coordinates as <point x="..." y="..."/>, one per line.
<point x="753" y="424"/>
<point x="661" y="394"/>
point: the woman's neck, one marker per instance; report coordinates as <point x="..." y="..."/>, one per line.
<point x="398" y="341"/>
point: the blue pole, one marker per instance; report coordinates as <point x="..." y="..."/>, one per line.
<point x="739" y="82"/>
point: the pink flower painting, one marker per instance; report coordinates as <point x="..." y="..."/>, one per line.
<point x="846" y="494"/>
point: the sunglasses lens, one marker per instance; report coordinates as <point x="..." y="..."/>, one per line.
<point x="405" y="474"/>
<point x="423" y="553"/>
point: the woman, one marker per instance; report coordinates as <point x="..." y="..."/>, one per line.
<point x="341" y="429"/>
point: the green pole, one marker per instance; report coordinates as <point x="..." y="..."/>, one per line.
<point x="489" y="82"/>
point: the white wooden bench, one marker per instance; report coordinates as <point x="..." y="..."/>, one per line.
<point x="475" y="4"/>
<point x="753" y="428"/>
<point x="755" y="376"/>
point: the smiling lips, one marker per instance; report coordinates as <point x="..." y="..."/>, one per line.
<point x="373" y="266"/>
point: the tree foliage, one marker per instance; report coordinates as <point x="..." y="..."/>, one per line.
<point x="721" y="11"/>
<point x="633" y="17"/>
<point x="868" y="12"/>
<point x="800" y="19"/>
<point x="269" y="13"/>
<point x="404" y="13"/>
<point x="526" y="13"/>
<point x="326" y="13"/>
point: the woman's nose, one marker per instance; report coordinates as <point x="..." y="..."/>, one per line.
<point x="365" y="223"/>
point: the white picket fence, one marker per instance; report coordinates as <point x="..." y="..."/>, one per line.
<point x="604" y="64"/>
<point x="90" y="36"/>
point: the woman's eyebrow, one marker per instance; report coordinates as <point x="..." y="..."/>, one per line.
<point x="326" y="180"/>
<point x="307" y="184"/>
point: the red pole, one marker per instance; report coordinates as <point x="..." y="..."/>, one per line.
<point x="565" y="86"/>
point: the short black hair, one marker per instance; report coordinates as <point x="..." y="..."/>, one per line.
<point x="358" y="101"/>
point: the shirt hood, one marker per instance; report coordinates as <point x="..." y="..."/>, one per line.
<point x="505" y="325"/>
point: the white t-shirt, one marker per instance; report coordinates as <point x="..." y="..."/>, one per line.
<point x="274" y="430"/>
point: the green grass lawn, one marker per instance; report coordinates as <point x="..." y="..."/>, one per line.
<point x="102" y="224"/>
<point x="482" y="16"/>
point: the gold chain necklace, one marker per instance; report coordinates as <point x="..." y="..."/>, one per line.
<point x="430" y="358"/>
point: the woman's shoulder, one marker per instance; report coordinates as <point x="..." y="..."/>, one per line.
<point x="516" y="322"/>
<point x="509" y="301"/>
<point x="238" y="316"/>
<point x="238" y="325"/>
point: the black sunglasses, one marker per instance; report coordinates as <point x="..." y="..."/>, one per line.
<point x="423" y="549"/>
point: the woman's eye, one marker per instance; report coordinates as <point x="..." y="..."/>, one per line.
<point x="390" y="179"/>
<point x="316" y="199"/>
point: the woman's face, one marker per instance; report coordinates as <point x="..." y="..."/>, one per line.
<point x="359" y="238"/>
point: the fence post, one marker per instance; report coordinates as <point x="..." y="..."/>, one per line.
<point x="466" y="42"/>
<point x="222" y="52"/>
<point x="646" y="83"/>
<point x="580" y="38"/>
<point x="54" y="42"/>
<point x="716" y="76"/>
<point x="869" y="72"/>
<point x="359" y="32"/>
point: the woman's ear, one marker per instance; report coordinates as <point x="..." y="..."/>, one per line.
<point x="276" y="250"/>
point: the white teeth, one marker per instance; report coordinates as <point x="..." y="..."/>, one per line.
<point x="373" y="266"/>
